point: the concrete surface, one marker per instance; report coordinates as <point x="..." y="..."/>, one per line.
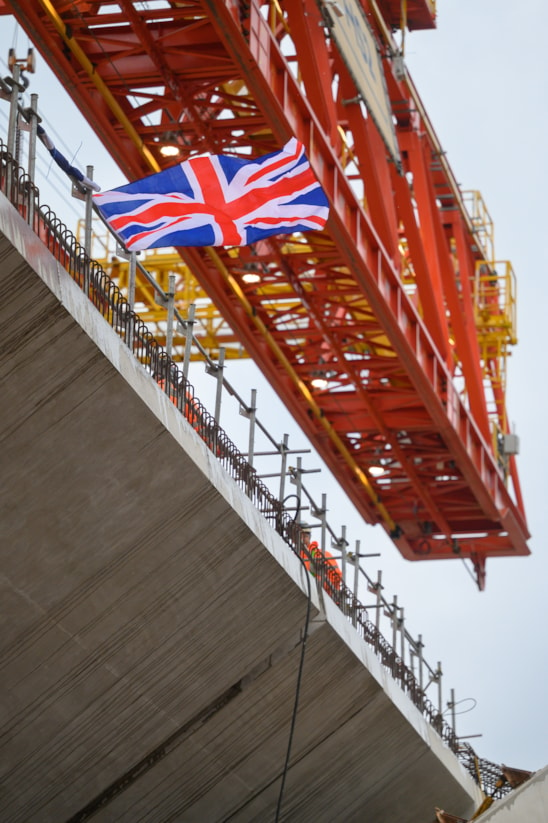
<point x="151" y="620"/>
<point x="526" y="804"/>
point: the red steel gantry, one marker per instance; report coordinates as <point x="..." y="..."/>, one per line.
<point x="386" y="334"/>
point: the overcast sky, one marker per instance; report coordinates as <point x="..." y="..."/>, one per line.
<point x="482" y="76"/>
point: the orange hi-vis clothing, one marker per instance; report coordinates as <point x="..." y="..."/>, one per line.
<point x="311" y="551"/>
<point x="172" y="390"/>
<point x="189" y="406"/>
<point x="332" y="574"/>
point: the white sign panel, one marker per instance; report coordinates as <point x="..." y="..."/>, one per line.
<point x="356" y="44"/>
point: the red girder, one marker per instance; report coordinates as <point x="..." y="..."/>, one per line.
<point x="220" y="74"/>
<point x="420" y="14"/>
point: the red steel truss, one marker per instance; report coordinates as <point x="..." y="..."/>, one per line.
<point x="380" y="304"/>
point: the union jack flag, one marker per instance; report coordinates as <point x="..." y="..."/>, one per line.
<point x="218" y="200"/>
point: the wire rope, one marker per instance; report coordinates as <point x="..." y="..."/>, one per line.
<point x="300" y="671"/>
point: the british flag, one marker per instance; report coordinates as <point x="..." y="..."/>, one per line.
<point x="218" y="200"/>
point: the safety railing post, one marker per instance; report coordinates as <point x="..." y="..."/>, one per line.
<point x="401" y="622"/>
<point x="342" y="547"/>
<point x="438" y="680"/>
<point x="394" y="618"/>
<point x="283" y="447"/>
<point x="297" y="480"/>
<point x="132" y="279"/>
<point x="420" y="646"/>
<point x="33" y="136"/>
<point x="188" y="332"/>
<point x="323" y="520"/>
<point x="12" y="125"/>
<point x="12" y="120"/>
<point x="356" y="582"/>
<point x="378" y="590"/>
<point x="220" y="377"/>
<point x="130" y="319"/>
<point x="170" y="314"/>
<point x="251" y="413"/>
<point x="451" y="705"/>
<point x="88" y="229"/>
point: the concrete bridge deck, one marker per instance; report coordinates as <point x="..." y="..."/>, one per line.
<point x="152" y="619"/>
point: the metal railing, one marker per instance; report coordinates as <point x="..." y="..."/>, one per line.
<point x="108" y="299"/>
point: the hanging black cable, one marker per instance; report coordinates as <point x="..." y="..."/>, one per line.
<point x="299" y="675"/>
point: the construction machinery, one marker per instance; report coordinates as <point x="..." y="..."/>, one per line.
<point x="387" y="333"/>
